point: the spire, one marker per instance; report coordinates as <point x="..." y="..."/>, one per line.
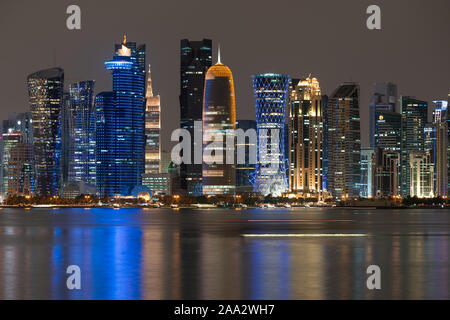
<point x="149" y="84"/>
<point x="218" y="56"/>
<point x="124" y="39"/>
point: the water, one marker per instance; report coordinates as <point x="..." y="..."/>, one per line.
<point x="224" y="254"/>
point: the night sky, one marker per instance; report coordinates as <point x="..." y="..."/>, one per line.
<point x="328" y="39"/>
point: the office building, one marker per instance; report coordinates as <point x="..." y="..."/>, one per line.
<point x="414" y="119"/>
<point x="81" y="132"/>
<point x="271" y="95"/>
<point x="195" y="60"/>
<point x="383" y="99"/>
<point x="45" y="90"/>
<point x="344" y="142"/>
<point x="305" y="138"/>
<point x="120" y="123"/>
<point x="219" y="120"/>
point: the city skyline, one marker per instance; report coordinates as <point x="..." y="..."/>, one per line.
<point x="245" y="51"/>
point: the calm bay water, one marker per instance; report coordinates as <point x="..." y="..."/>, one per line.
<point x="278" y="253"/>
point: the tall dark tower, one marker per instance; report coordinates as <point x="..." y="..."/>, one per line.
<point x="45" y="90"/>
<point x="195" y="61"/>
<point x="344" y="142"/>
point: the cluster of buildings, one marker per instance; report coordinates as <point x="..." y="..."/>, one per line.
<point x="73" y="141"/>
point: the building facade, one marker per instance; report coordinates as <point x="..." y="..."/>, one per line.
<point x="383" y="99"/>
<point x="45" y="90"/>
<point x="20" y="172"/>
<point x="245" y="172"/>
<point x="344" y="142"/>
<point x="219" y="120"/>
<point x="305" y="138"/>
<point x="152" y="129"/>
<point x="367" y="173"/>
<point x="271" y="95"/>
<point x="120" y="123"/>
<point x="81" y="127"/>
<point x="441" y="156"/>
<point x="195" y="60"/>
<point x="414" y="119"/>
<point x="421" y="174"/>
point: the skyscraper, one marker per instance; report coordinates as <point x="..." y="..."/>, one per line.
<point x="383" y="99"/>
<point x="414" y="119"/>
<point x="440" y="123"/>
<point x="219" y="119"/>
<point x="45" y="90"/>
<point x="387" y="133"/>
<point x="120" y="123"/>
<point x="20" y="170"/>
<point x="196" y="58"/>
<point x="421" y="170"/>
<point x="81" y="121"/>
<point x="306" y="138"/>
<point x="387" y="171"/>
<point x="344" y="142"/>
<point x="271" y="94"/>
<point x="152" y="129"/>
<point x="10" y="140"/>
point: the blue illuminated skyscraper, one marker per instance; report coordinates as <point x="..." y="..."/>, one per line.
<point x="120" y="123"/>
<point x="271" y="91"/>
<point x="45" y="90"/>
<point x="81" y="120"/>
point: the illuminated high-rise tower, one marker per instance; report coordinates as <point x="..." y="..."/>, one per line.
<point x="344" y="142"/>
<point x="305" y="138"/>
<point x="440" y="123"/>
<point x="45" y="90"/>
<point x="383" y="99"/>
<point x="195" y="59"/>
<point x="81" y="128"/>
<point x="414" y="119"/>
<point x="120" y="123"/>
<point x="152" y="129"/>
<point x="271" y="93"/>
<point x="219" y="119"/>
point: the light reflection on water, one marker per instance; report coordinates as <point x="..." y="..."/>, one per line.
<point x="202" y="254"/>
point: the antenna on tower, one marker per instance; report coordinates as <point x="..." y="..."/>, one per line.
<point x="218" y="56"/>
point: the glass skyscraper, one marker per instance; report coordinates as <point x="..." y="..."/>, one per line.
<point x="344" y="142"/>
<point x="81" y="121"/>
<point x="414" y="120"/>
<point x="45" y="90"/>
<point x="120" y="123"/>
<point x="195" y="60"/>
<point x="383" y="99"/>
<point x="219" y="119"/>
<point x="271" y="94"/>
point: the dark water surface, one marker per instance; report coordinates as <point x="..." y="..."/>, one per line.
<point x="224" y="254"/>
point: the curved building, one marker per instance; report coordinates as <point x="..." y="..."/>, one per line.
<point x="45" y="90"/>
<point x="219" y="118"/>
<point x="270" y="92"/>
